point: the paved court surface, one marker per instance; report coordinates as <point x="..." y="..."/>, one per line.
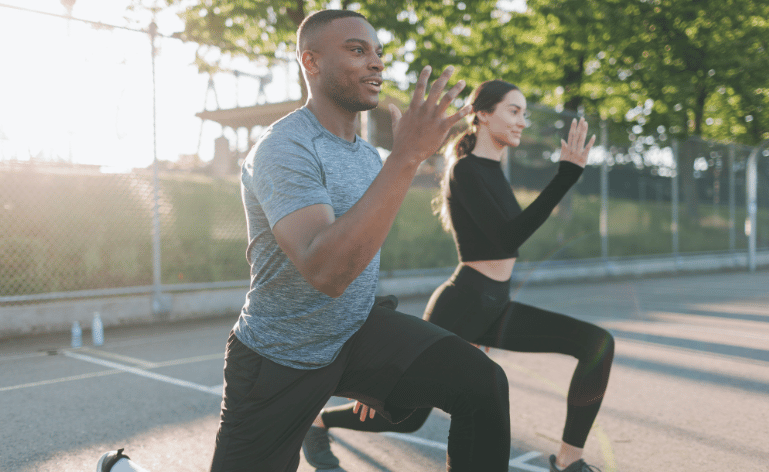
<point x="689" y="389"/>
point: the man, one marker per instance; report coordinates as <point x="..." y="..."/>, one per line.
<point x="319" y="204"/>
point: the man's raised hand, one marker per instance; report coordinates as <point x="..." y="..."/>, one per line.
<point x="420" y="130"/>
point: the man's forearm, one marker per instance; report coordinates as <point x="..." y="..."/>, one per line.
<point x="342" y="250"/>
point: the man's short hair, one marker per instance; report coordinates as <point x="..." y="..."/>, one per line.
<point x="315" y="22"/>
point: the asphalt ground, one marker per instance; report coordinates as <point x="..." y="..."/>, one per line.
<point x="689" y="389"/>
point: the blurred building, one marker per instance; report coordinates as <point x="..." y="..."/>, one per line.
<point x="374" y="126"/>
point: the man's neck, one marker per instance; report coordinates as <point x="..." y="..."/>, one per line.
<point x="338" y="121"/>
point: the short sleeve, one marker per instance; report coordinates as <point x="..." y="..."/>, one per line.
<point x="284" y="175"/>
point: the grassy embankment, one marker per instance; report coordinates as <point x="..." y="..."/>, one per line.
<point x="66" y="232"/>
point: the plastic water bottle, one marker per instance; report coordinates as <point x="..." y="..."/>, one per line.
<point x="97" y="330"/>
<point x="77" y="335"/>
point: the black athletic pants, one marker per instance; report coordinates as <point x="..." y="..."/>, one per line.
<point x="479" y="310"/>
<point x="395" y="363"/>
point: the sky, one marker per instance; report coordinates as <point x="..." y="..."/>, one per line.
<point x="70" y="91"/>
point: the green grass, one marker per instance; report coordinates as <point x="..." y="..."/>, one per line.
<point x="634" y="229"/>
<point x="64" y="232"/>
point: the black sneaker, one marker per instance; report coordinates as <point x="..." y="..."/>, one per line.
<point x="317" y="449"/>
<point x="578" y="466"/>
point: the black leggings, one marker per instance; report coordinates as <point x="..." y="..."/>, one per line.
<point x="479" y="310"/>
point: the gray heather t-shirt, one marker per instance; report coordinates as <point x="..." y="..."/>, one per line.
<point x="295" y="164"/>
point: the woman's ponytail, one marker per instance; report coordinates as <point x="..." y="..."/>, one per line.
<point x="462" y="147"/>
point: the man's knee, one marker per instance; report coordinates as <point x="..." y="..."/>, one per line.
<point x="497" y="384"/>
<point x="487" y="380"/>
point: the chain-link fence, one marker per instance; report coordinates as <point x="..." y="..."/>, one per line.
<point x="87" y="171"/>
<point x="75" y="222"/>
<point x="642" y="195"/>
<point x="69" y="229"/>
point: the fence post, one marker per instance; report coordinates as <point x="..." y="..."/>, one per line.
<point x="751" y="177"/>
<point x="732" y="199"/>
<point x="158" y="307"/>
<point x="674" y="201"/>
<point x="603" y="222"/>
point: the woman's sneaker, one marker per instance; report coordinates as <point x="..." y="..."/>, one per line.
<point x="317" y="449"/>
<point x="578" y="466"/>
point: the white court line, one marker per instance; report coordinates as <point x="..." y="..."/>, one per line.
<point x="119" y="357"/>
<point x="517" y="463"/>
<point x="17" y="357"/>
<point x="143" y="373"/>
<point x="59" y="380"/>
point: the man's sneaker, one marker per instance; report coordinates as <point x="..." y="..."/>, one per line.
<point x="116" y="461"/>
<point x="317" y="449"/>
<point x="578" y="466"/>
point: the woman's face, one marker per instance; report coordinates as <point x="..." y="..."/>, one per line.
<point x="506" y="123"/>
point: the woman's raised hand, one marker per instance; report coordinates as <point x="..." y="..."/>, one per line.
<point x="575" y="149"/>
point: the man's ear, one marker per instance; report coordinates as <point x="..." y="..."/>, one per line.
<point x="309" y="60"/>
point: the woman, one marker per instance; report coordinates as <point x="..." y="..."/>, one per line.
<point x="478" y="207"/>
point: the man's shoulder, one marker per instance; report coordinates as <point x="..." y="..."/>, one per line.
<point x="295" y="130"/>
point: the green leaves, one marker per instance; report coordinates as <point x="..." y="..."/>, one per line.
<point x="697" y="62"/>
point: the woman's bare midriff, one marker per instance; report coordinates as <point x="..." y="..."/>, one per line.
<point x="499" y="270"/>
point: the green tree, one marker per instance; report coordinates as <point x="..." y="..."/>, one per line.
<point x="691" y="69"/>
<point x="416" y="33"/>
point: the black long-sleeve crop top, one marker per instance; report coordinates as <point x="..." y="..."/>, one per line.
<point x="487" y="221"/>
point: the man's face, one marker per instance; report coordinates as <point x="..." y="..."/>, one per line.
<point x="350" y="64"/>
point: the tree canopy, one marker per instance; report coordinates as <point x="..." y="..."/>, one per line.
<point x="673" y="68"/>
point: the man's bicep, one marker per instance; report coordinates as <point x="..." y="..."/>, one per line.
<point x="296" y="231"/>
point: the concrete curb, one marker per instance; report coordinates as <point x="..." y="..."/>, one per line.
<point x="20" y="319"/>
<point x="423" y="283"/>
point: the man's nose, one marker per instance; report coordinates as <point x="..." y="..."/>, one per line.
<point x="377" y="63"/>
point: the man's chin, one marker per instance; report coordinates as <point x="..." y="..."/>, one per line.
<point x="368" y="104"/>
<point x="371" y="106"/>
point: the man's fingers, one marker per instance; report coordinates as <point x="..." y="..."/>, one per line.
<point x="419" y="91"/>
<point x="437" y="88"/>
<point x="371" y="413"/>
<point x="463" y="112"/>
<point x="450" y="96"/>
<point x="395" y="114"/>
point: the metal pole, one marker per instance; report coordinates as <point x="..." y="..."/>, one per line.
<point x="751" y="201"/>
<point x="674" y="200"/>
<point x="157" y="305"/>
<point x="603" y="221"/>
<point x="732" y="200"/>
